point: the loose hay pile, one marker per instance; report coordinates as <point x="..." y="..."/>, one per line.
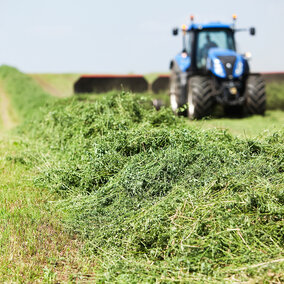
<point x="158" y="200"/>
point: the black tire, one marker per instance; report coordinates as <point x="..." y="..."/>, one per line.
<point x="200" y="97"/>
<point x="177" y="93"/>
<point x="255" y="95"/>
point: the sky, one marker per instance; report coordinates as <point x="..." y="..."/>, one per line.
<point x="127" y="36"/>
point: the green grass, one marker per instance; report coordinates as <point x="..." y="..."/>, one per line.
<point x="27" y="99"/>
<point x="156" y="198"/>
<point x="254" y="126"/>
<point x="242" y="127"/>
<point x="151" y="77"/>
<point x="164" y="98"/>
<point x="33" y="244"/>
<point x="275" y="95"/>
<point x="60" y="85"/>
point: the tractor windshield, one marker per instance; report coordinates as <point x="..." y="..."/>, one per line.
<point x="207" y="39"/>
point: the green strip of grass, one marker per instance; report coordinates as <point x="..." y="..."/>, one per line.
<point x="275" y="96"/>
<point x="248" y="127"/>
<point x="34" y="247"/>
<point x="60" y="85"/>
<point x="33" y="244"/>
<point x="26" y="98"/>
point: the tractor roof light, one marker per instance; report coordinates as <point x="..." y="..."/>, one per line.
<point x="234" y="21"/>
<point x="192" y="18"/>
<point x="184" y="27"/>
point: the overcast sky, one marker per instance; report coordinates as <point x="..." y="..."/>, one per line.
<point x="112" y="36"/>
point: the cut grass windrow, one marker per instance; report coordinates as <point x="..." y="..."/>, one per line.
<point x="155" y="198"/>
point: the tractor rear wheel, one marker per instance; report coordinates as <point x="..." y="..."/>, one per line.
<point x="255" y="95"/>
<point x="199" y="97"/>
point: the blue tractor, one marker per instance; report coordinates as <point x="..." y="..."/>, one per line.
<point x="209" y="71"/>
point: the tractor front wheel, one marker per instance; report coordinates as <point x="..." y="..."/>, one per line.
<point x="200" y="97"/>
<point x="255" y="95"/>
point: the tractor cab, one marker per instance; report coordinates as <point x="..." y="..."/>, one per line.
<point x="213" y="40"/>
<point x="210" y="47"/>
<point x="209" y="59"/>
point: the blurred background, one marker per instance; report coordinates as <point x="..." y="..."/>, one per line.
<point x="127" y="36"/>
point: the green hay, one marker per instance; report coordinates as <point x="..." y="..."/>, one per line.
<point x="158" y="200"/>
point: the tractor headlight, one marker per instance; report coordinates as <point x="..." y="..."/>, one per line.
<point x="218" y="68"/>
<point x="239" y="68"/>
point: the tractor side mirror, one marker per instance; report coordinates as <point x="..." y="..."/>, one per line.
<point x="252" y="31"/>
<point x="175" y="31"/>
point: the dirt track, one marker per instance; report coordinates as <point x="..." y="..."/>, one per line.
<point x="7" y="120"/>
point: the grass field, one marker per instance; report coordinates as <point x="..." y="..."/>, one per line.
<point x="33" y="244"/>
<point x="152" y="197"/>
<point x="60" y="85"/>
<point x="34" y="247"/>
<point x="256" y="126"/>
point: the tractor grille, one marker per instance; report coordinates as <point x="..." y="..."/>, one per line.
<point x="228" y="63"/>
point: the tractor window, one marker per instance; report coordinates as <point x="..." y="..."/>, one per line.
<point x="188" y="43"/>
<point x="214" y="38"/>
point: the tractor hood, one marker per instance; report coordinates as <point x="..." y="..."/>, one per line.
<point x="225" y="63"/>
